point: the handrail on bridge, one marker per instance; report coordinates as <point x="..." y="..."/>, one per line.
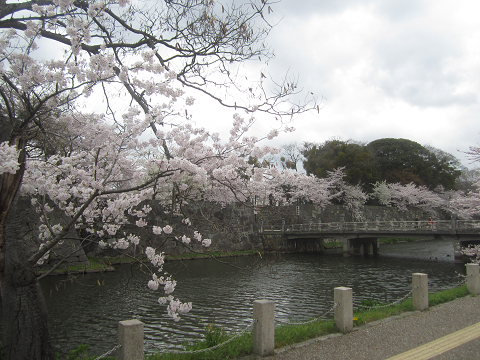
<point x="342" y="226"/>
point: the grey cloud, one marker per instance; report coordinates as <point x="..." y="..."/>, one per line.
<point x="411" y="65"/>
<point x="322" y="7"/>
<point x="398" y="10"/>
<point x="392" y="9"/>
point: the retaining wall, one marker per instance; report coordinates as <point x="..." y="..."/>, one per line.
<point x="231" y="228"/>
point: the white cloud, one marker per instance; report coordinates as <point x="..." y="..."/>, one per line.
<point x="401" y="69"/>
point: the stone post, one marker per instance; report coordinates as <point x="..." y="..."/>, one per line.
<point x="420" y="291"/>
<point x="130" y="337"/>
<point x="343" y="313"/>
<point x="473" y="278"/>
<point x="263" y="327"/>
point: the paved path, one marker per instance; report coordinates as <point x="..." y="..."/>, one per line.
<point x="397" y="335"/>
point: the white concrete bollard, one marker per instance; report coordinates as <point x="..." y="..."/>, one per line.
<point x="420" y="291"/>
<point x="263" y="327"/>
<point x="343" y="313"/>
<point x="473" y="278"/>
<point x="130" y="337"/>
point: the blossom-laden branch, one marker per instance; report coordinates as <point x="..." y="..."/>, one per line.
<point x="202" y="40"/>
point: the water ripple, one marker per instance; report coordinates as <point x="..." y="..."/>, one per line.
<point x="301" y="286"/>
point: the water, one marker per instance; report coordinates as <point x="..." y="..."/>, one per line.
<point x="87" y="309"/>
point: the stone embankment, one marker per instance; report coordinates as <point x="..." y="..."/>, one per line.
<point x="232" y="228"/>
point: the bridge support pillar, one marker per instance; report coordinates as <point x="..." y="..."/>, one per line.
<point x="376" y="246"/>
<point x="356" y="248"/>
<point x="457" y="250"/>
<point x="346" y="247"/>
<point x="366" y="248"/>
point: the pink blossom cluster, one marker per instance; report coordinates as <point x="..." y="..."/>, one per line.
<point x="9" y="156"/>
<point x="175" y="307"/>
<point x="402" y="196"/>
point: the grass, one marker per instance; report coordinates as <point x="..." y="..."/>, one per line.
<point x="218" y="254"/>
<point x="292" y="334"/>
<point x="214" y="335"/>
<point x="186" y="256"/>
<point x="332" y="244"/>
<point x="369" y="315"/>
<point x="105" y="264"/>
<point x="95" y="265"/>
<point x="80" y="353"/>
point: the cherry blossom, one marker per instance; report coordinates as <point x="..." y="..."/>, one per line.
<point x="9" y="156"/>
<point x="99" y="164"/>
<point x="402" y="196"/>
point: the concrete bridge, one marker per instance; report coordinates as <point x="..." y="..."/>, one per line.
<point x="366" y="234"/>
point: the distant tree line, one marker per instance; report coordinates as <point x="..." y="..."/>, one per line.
<point x="387" y="160"/>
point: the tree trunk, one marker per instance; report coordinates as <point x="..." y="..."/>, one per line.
<point x="25" y="327"/>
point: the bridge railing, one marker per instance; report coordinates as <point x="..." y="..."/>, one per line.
<point x="315" y="227"/>
<point x="464" y="225"/>
<point x="415" y="225"/>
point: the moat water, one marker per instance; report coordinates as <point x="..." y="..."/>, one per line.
<point x="87" y="308"/>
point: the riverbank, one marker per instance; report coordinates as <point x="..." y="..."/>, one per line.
<point x="222" y="293"/>
<point x="94" y="266"/>
<point x="301" y="341"/>
<point x="106" y="264"/>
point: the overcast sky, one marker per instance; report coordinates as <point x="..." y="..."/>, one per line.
<point x="397" y="68"/>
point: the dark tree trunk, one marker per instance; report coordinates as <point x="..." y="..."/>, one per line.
<point x="25" y="327"/>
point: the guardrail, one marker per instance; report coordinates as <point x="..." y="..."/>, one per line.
<point x="131" y="337"/>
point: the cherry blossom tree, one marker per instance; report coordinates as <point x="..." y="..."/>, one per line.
<point x="466" y="204"/>
<point x="354" y="198"/>
<point x="403" y="196"/>
<point x="60" y="56"/>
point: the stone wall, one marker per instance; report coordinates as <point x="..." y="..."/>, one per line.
<point x="230" y="228"/>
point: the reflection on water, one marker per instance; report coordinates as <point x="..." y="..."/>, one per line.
<point x="88" y="309"/>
